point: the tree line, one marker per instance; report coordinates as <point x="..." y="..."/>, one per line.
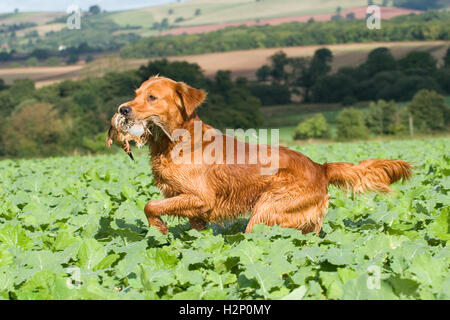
<point x="381" y="76"/>
<point x="431" y="25"/>
<point x="426" y="113"/>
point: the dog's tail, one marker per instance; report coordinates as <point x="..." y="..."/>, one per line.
<point x="372" y="174"/>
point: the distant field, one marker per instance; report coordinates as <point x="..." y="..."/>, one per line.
<point x="359" y="13"/>
<point x="241" y="63"/>
<point x="41" y="75"/>
<point x="221" y="11"/>
<point x="39" y="18"/>
<point x="42" y="29"/>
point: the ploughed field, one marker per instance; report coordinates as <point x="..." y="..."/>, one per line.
<point x="74" y="228"/>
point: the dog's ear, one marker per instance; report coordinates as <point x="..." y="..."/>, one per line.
<point x="190" y="97"/>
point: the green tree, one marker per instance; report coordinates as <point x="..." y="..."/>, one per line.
<point x="53" y="61"/>
<point x="350" y="125"/>
<point x="380" y="118"/>
<point x="429" y="110"/>
<point x="350" y="16"/>
<point x="447" y="58"/>
<point x="164" y="24"/>
<point x="273" y="94"/>
<point x="263" y="73"/>
<point x="278" y="63"/>
<point x="378" y="60"/>
<point x="95" y="9"/>
<point x="337" y="87"/>
<point x="6" y="103"/>
<point x="418" y="60"/>
<point x="314" y="127"/>
<point x="418" y="4"/>
<point x="73" y="58"/>
<point x="35" y="130"/>
<point x="307" y="76"/>
<point x="22" y="89"/>
<point x="32" y="62"/>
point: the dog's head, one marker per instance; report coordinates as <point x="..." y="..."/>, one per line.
<point x="165" y="102"/>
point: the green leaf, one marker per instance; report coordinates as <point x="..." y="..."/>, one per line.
<point x="338" y="256"/>
<point x="45" y="285"/>
<point x="404" y="288"/>
<point x="162" y="258"/>
<point x="90" y="253"/>
<point x="361" y="289"/>
<point x="332" y="284"/>
<point x="15" y="236"/>
<point x="128" y="192"/>
<point x="192" y="293"/>
<point x="153" y="280"/>
<point x="441" y="225"/>
<point x="6" y="257"/>
<point x="220" y="280"/>
<point x="296" y="294"/>
<point x="248" y="252"/>
<point x="45" y="260"/>
<point x="265" y="276"/>
<point x="106" y="262"/>
<point x="186" y="276"/>
<point x="214" y="294"/>
<point x="63" y="240"/>
<point x="428" y="270"/>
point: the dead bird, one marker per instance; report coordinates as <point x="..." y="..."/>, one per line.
<point x="124" y="130"/>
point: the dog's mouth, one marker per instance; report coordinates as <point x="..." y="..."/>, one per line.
<point x="135" y="128"/>
<point x="140" y="128"/>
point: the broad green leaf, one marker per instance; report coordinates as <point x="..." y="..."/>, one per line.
<point x="90" y="253"/>
<point x="441" y="225"/>
<point x="106" y="262"/>
<point x="296" y="294"/>
<point x="15" y="236"/>
<point x="265" y="276"/>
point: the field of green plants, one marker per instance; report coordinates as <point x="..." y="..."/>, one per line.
<point x="74" y="228"/>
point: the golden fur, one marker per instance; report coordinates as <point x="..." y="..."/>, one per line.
<point x="296" y="196"/>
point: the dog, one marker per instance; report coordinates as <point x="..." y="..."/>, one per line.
<point x="295" y="195"/>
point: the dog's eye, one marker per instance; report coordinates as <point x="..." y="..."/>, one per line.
<point x="152" y="98"/>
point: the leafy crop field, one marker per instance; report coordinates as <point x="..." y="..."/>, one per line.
<point x="74" y="228"/>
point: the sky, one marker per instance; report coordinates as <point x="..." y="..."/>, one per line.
<point x="62" y="5"/>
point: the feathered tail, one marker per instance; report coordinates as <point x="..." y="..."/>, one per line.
<point x="372" y="174"/>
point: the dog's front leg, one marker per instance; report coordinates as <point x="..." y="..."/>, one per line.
<point x="187" y="206"/>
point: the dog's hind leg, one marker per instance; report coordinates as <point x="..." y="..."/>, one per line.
<point x="187" y="206"/>
<point x="297" y="207"/>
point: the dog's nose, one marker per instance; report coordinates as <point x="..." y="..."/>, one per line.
<point x="125" y="110"/>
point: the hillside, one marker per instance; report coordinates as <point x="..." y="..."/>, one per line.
<point x="106" y="31"/>
<point x="221" y="11"/>
<point x="358" y="13"/>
